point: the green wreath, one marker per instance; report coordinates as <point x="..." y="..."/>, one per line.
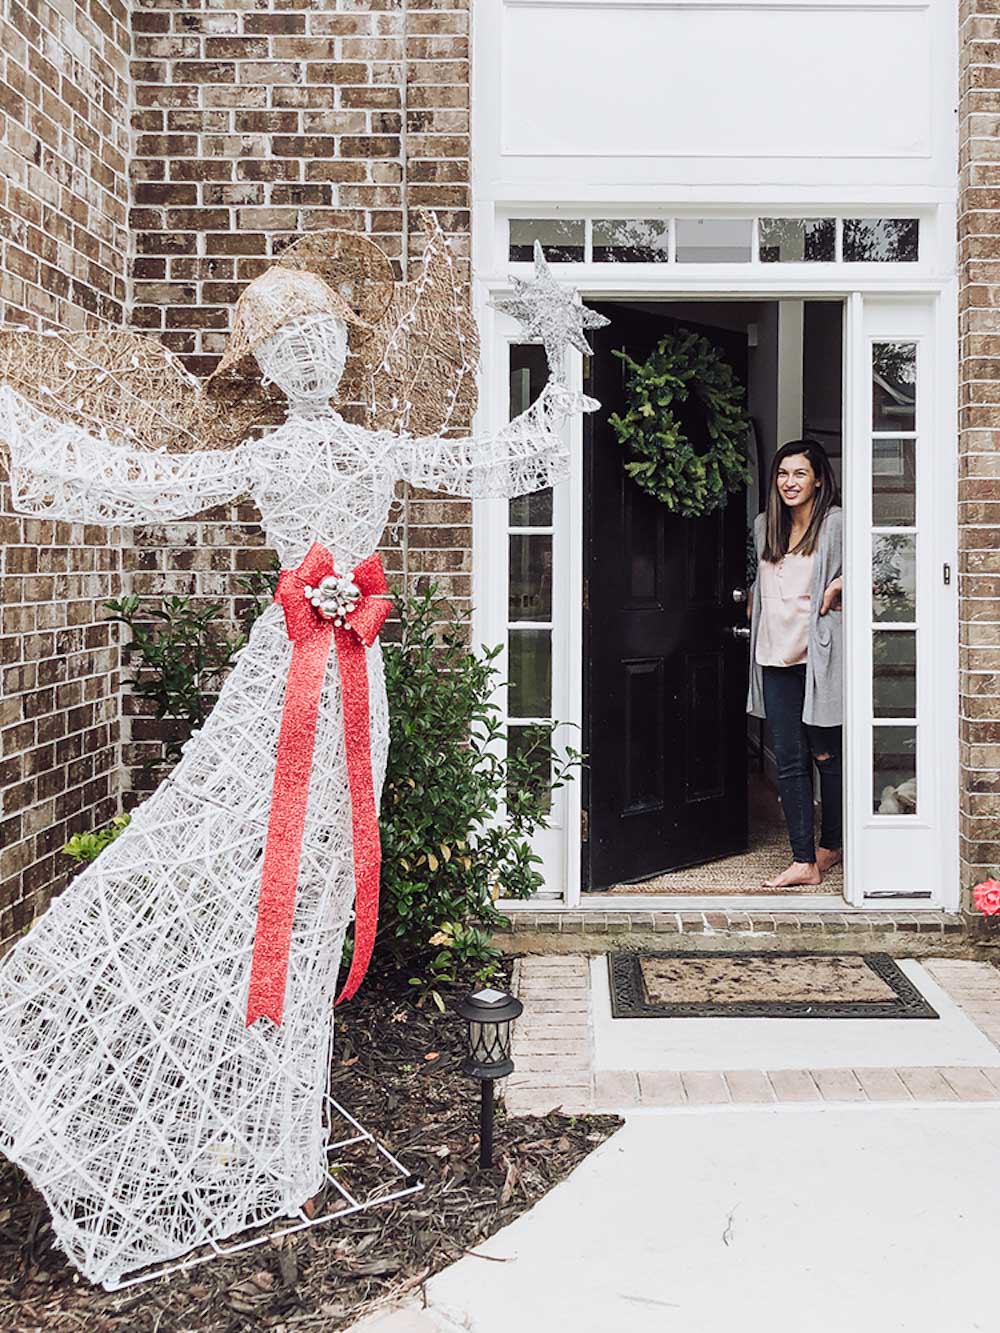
<point x="664" y="463"/>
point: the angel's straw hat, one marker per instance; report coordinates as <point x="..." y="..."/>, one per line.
<point x="324" y="273"/>
<point x="271" y="301"/>
<point x="351" y="264"/>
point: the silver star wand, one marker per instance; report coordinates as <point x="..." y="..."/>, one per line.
<point x="550" y="313"/>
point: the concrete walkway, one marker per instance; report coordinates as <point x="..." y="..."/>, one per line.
<point x="818" y="1220"/>
<point x="781" y="1175"/>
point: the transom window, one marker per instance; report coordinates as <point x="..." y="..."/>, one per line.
<point x="764" y="240"/>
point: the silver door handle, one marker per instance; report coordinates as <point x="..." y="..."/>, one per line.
<point x="739" y="595"/>
<point x="738" y="631"/>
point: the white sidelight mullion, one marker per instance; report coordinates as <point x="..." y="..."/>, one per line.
<point x="857" y="566"/>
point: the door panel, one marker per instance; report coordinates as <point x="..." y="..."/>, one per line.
<point x="643" y="738"/>
<point x="665" y="679"/>
<point x="704" y="723"/>
<point x="643" y="549"/>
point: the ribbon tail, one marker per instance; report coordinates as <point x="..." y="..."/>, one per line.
<point x="353" y="664"/>
<point x="286" y="828"/>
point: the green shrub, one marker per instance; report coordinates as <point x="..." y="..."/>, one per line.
<point x="184" y="655"/>
<point x="259" y="587"/>
<point x="85" y="847"/>
<point x="184" y="650"/>
<point x="458" y="807"/>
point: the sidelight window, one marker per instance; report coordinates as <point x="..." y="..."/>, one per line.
<point x="529" y="590"/>
<point x="894" y="445"/>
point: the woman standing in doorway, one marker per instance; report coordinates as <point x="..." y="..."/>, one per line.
<point x="796" y="650"/>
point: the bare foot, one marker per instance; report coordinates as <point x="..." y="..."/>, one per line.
<point x="799" y="872"/>
<point x="826" y="859"/>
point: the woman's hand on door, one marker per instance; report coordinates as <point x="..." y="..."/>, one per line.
<point x="833" y="597"/>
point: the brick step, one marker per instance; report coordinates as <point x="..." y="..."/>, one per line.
<point x="595" y="931"/>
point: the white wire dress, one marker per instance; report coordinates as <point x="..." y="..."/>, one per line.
<point x="146" y="1112"/>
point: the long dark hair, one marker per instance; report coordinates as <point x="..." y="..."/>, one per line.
<point x="779" y="517"/>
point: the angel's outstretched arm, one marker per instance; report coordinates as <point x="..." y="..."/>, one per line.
<point x="524" y="456"/>
<point x="58" y="470"/>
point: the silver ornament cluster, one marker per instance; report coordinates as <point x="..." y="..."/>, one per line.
<point x="335" y="597"/>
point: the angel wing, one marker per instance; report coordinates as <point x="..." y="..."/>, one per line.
<point x="127" y="386"/>
<point x="417" y="372"/>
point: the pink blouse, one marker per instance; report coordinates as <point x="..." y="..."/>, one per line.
<point x="783" y="633"/>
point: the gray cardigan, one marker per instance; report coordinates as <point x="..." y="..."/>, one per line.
<point x="824" y="702"/>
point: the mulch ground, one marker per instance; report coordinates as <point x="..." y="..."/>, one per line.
<point x="397" y="1070"/>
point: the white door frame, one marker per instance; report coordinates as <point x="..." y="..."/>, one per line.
<point x="560" y="847"/>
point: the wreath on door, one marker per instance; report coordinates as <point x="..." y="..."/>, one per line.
<point x="663" y="460"/>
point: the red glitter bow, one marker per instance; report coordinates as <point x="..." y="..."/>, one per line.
<point x="312" y="634"/>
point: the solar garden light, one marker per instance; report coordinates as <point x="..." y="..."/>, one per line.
<point x="489" y="1014"/>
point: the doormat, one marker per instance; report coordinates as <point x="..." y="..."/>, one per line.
<point x="770" y="985"/>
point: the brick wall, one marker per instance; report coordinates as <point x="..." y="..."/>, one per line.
<point x="979" y="437"/>
<point x="63" y="261"/>
<point x="253" y="124"/>
<point x="64" y="99"/>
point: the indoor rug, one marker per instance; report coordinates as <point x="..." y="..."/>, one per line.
<point x="767" y="855"/>
<point x="772" y="985"/>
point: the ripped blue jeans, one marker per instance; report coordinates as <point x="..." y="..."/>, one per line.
<point x="796" y="747"/>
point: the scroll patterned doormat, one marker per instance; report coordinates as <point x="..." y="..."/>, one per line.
<point x="771" y="985"/>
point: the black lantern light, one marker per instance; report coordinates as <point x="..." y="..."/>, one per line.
<point x="489" y="1014"/>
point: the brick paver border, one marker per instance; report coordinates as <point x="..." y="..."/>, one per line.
<point x="554" y="1055"/>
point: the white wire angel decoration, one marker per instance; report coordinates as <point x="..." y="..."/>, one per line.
<point x="166" y="1026"/>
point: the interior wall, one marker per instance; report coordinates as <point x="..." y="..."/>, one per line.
<point x="764" y="394"/>
<point x="823" y="377"/>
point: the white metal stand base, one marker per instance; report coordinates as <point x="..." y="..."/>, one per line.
<point x="354" y="1155"/>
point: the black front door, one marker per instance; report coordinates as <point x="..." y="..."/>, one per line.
<point x="665" y="676"/>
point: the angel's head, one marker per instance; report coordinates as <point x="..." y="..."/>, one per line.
<point x="306" y="357"/>
<point x="294" y="328"/>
